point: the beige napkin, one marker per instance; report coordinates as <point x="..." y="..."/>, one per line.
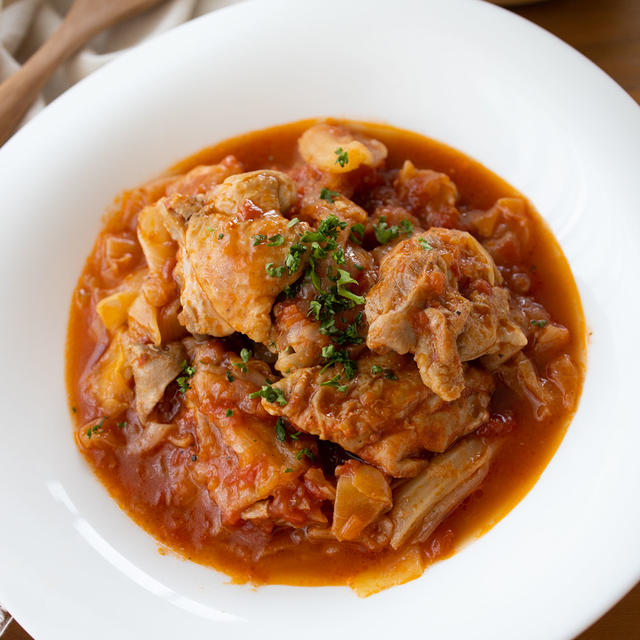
<point x="26" y="24"/>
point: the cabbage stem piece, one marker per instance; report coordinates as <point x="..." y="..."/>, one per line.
<point x="424" y="501"/>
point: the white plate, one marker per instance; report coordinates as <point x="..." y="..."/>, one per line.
<point x="72" y="565"/>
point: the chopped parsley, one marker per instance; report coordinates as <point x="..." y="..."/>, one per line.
<point x="306" y="452"/>
<point x="183" y="380"/>
<point x="385" y="233"/>
<point x="343" y="157"/>
<point x="74" y="409"/>
<point x="220" y="236"/>
<point x="343" y="280"/>
<point x="292" y="261"/>
<point x="245" y="354"/>
<point x="273" y="271"/>
<point x="328" y="195"/>
<point x="356" y="233"/>
<point x="406" y="226"/>
<point x="335" y="382"/>
<point x="423" y="242"/>
<point x="275" y="240"/>
<point x="230" y="376"/>
<point x="291" y="290"/>
<point x="388" y="373"/>
<point x="258" y="239"/>
<point x="288" y="470"/>
<point x="281" y="432"/>
<point x="97" y="428"/>
<point x="539" y="323"/>
<point x="122" y="425"/>
<point x="314" y="308"/>
<point x="270" y="394"/>
<point x="228" y="413"/>
<point x="292" y="223"/>
<point x="334" y="356"/>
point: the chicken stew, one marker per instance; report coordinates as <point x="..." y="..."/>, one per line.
<point x="323" y="353"/>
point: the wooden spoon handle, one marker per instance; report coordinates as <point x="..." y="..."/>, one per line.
<point x="85" y="19"/>
<point x="19" y="91"/>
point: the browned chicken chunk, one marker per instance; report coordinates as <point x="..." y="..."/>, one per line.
<point x="385" y="415"/>
<point x="439" y="298"/>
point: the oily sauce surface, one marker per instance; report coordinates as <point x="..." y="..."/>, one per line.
<point x="139" y="483"/>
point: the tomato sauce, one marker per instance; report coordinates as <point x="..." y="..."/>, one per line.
<point x="140" y="483"/>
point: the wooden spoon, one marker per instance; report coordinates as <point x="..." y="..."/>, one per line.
<point x="85" y="19"/>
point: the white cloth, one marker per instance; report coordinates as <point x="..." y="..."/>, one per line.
<point x="26" y="24"/>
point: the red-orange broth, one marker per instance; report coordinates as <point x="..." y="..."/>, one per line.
<point x="139" y="483"/>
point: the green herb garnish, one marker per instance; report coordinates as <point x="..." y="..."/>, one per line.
<point x="344" y="280"/>
<point x="343" y="157"/>
<point x="281" y="432"/>
<point x="183" y="380"/>
<point x="423" y="242"/>
<point x="273" y="271"/>
<point x="306" y="452"/>
<point x="328" y="195"/>
<point x="270" y="394"/>
<point x="96" y="428"/>
<point x="276" y="240"/>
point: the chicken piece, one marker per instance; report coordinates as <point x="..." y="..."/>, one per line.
<point x="297" y="337"/>
<point x="154" y="368"/>
<point x="491" y="331"/>
<point x="240" y="266"/>
<point x="551" y="338"/>
<point x="240" y="459"/>
<point x="385" y="415"/>
<point x="504" y="230"/>
<point x="428" y="195"/>
<point x="266" y="189"/>
<point x="423" y="502"/>
<point x="317" y="202"/>
<point x="337" y="149"/>
<point x="296" y="331"/>
<point x="231" y="269"/>
<point x="198" y="314"/>
<point x="545" y="394"/>
<point x="204" y="178"/>
<point x="438" y="298"/>
<point x="521" y="376"/>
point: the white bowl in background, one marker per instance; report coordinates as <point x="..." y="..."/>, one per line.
<point x="72" y="564"/>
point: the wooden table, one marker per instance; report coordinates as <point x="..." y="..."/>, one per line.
<point x="607" y="32"/>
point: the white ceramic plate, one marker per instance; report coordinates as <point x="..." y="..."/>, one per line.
<point x="72" y="565"/>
